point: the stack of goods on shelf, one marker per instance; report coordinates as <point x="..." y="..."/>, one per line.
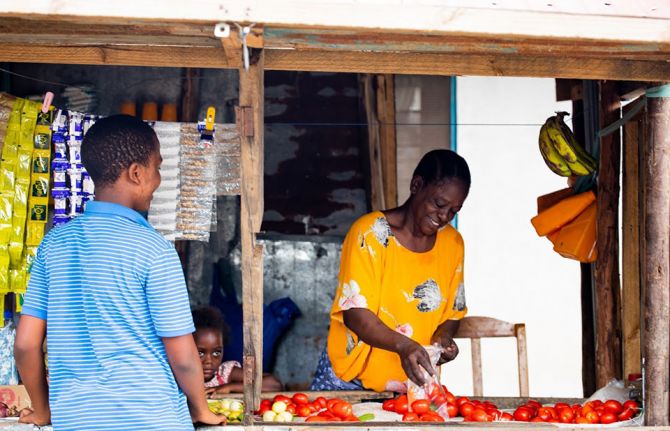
<point x="73" y="186"/>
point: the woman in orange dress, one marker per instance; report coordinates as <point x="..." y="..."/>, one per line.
<point x="400" y="285"/>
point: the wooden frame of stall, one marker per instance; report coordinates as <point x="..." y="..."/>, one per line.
<point x="434" y="39"/>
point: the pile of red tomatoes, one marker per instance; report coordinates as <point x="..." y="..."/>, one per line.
<point x="317" y="410"/>
<point x="593" y="412"/>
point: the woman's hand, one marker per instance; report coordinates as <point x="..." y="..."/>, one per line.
<point x="450" y="348"/>
<point x="415" y="361"/>
<point x="30" y="416"/>
<point x="443" y="336"/>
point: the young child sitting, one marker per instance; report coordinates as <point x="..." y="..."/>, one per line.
<point x="210" y="337"/>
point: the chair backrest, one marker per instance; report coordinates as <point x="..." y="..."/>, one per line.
<point x="475" y="328"/>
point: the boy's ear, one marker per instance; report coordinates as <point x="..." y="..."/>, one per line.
<point x="135" y="173"/>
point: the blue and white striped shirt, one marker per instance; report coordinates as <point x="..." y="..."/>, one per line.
<point x="109" y="287"/>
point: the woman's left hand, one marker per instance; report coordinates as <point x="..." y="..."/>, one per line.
<point x="450" y="348"/>
<point x="443" y="336"/>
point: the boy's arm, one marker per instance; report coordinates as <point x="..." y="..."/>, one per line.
<point x="185" y="362"/>
<point x="30" y="363"/>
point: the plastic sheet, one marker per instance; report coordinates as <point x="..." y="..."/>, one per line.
<point x="432" y="390"/>
<point x="197" y="168"/>
<point x="164" y="205"/>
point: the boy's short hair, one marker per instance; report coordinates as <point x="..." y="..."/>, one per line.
<point x="113" y="143"/>
<point x="210" y="318"/>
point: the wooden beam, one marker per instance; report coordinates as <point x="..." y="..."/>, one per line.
<point x="657" y="262"/>
<point x="354" y="62"/>
<point x="385" y="89"/>
<point x="630" y="230"/>
<point x="606" y="276"/>
<point x="568" y="89"/>
<point x="630" y="24"/>
<point x="251" y="125"/>
<point x="462" y="64"/>
<point x="477" y="379"/>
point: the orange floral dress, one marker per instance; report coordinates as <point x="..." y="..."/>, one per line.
<point x="412" y="293"/>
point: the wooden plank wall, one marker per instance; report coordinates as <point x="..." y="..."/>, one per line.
<point x="656" y="259"/>
<point x="633" y="142"/>
<point x="606" y="276"/>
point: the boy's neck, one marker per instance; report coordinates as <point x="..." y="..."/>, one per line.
<point x="110" y="194"/>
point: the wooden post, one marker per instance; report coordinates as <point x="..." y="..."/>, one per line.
<point x="250" y="124"/>
<point x="379" y="101"/>
<point x="630" y="289"/>
<point x="606" y="277"/>
<point x="387" y="135"/>
<point x="657" y="261"/>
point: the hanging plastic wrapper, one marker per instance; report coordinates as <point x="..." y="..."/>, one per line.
<point x="8" y="374"/>
<point x="197" y="180"/>
<point x="165" y="202"/>
<point x="432" y="390"/>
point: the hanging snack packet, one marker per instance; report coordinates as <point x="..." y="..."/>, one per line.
<point x="432" y="390"/>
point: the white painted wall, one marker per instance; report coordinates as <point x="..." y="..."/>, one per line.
<point x="511" y="273"/>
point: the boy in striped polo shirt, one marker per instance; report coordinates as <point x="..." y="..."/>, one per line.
<point x="108" y="292"/>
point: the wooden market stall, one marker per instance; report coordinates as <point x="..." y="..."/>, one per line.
<point x="576" y="40"/>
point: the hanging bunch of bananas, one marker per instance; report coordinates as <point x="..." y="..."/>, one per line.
<point x="561" y="151"/>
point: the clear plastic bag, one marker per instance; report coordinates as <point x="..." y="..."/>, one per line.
<point x="432" y="390"/>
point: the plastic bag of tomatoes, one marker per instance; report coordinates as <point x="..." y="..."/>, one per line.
<point x="432" y="391"/>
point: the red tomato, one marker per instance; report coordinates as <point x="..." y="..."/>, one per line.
<point x="592" y="417"/>
<point x="410" y="417"/>
<point x="262" y="410"/>
<point x="466" y="409"/>
<point x="300" y="398"/>
<point x="331" y="402"/>
<point x="321" y="401"/>
<point x="630" y="404"/>
<point x="450" y="397"/>
<point x="480" y="415"/>
<point x="290" y="408"/>
<point x="341" y="409"/>
<point x="596" y="403"/>
<point x="304" y="411"/>
<point x="452" y="410"/>
<point x="351" y="418"/>
<point x="565" y="415"/>
<point x="421" y="406"/>
<point x="544" y="413"/>
<point x="600" y="410"/>
<point x="431" y="417"/>
<point x="534" y="403"/>
<point x="506" y="417"/>
<point x="461" y="400"/>
<point x="282" y="398"/>
<point x="389" y="405"/>
<point x="438" y="400"/>
<point x="401" y="404"/>
<point x="266" y="403"/>
<point x="536" y="419"/>
<point x="522" y="414"/>
<point x="608" y="418"/>
<point x="613" y="406"/>
<point x="317" y="418"/>
<point x="582" y="420"/>
<point x="313" y="407"/>
<point x="625" y="415"/>
<point x="559" y="406"/>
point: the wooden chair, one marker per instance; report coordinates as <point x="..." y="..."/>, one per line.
<point x="475" y="328"/>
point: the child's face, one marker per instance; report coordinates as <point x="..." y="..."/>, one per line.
<point x="210" y="348"/>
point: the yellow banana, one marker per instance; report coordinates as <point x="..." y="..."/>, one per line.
<point x="551" y="157"/>
<point x="582" y="155"/>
